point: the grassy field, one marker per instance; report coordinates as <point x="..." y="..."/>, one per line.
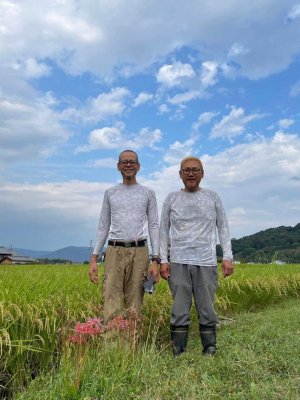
<point x="39" y="306"/>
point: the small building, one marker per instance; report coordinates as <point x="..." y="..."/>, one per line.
<point x="10" y="257"/>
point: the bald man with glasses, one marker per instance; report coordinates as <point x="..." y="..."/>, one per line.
<point x="189" y="221"/>
<point x="129" y="213"/>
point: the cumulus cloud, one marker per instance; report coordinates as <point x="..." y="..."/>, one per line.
<point x="115" y="138"/>
<point x="233" y="124"/>
<point x="185" y="97"/>
<point x="29" y="129"/>
<point x="104" y="106"/>
<point x="203" y="119"/>
<point x="31" y="68"/>
<point x="89" y="36"/>
<point x="178" y="150"/>
<point x="285" y="123"/>
<point x="142" y="98"/>
<point x="209" y="72"/>
<point x="175" y="74"/>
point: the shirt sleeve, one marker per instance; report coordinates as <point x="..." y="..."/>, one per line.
<point x="164" y="231"/>
<point x="153" y="226"/>
<point x="223" y="230"/>
<point x="103" y="226"/>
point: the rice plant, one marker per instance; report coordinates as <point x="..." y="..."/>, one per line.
<point x="40" y="305"/>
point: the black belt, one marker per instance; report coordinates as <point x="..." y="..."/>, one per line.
<point x="134" y="243"/>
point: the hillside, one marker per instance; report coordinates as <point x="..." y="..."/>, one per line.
<point x="281" y="243"/>
<point x="71" y="253"/>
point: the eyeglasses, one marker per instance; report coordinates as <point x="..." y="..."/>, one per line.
<point x="194" y="171"/>
<point x="130" y="162"/>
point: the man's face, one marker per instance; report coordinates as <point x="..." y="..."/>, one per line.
<point x="191" y="174"/>
<point x="128" y="165"/>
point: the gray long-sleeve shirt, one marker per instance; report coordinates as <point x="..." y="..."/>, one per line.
<point x="126" y="212"/>
<point x="188" y="227"/>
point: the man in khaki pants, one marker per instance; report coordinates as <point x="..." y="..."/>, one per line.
<point x="127" y="209"/>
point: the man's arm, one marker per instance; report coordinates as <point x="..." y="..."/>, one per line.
<point x="93" y="271"/>
<point x="164" y="239"/>
<point x="224" y="237"/>
<point x="153" y="228"/>
<point x="102" y="232"/>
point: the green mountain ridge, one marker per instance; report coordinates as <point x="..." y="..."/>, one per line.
<point x="273" y="244"/>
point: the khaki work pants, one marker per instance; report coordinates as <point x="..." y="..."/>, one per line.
<point x="125" y="271"/>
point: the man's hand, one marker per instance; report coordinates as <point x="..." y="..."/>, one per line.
<point x="93" y="271"/>
<point x="154" y="271"/>
<point x="227" y="268"/>
<point x="165" y="270"/>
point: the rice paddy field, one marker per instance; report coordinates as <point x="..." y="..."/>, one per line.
<point x="40" y="306"/>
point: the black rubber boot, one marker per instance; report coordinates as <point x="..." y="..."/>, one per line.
<point x="179" y="337"/>
<point x="208" y="339"/>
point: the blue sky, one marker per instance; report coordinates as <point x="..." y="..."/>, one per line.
<point x="81" y="81"/>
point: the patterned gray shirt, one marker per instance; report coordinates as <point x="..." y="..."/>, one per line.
<point x="126" y="212"/>
<point x="188" y="227"/>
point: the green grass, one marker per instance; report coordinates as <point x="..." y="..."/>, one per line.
<point x="40" y="304"/>
<point x="258" y="358"/>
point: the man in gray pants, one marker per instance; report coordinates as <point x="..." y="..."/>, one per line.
<point x="189" y="220"/>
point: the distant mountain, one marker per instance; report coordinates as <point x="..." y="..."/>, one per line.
<point x="281" y="243"/>
<point x="29" y="253"/>
<point x="71" y="253"/>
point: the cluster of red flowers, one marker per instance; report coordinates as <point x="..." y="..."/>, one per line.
<point x="95" y="327"/>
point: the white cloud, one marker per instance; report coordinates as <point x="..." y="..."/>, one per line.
<point x="108" y="162"/>
<point x="233" y="124"/>
<point x="89" y="36"/>
<point x="115" y="138"/>
<point x="203" y="119"/>
<point x="295" y="89"/>
<point x="209" y="73"/>
<point x="45" y="209"/>
<point x="142" y="98"/>
<point x="29" y="129"/>
<point x="102" y="107"/>
<point x="285" y="123"/>
<point x="31" y="68"/>
<point x="175" y="74"/>
<point x="294" y="13"/>
<point x="185" y="97"/>
<point x="163" y="109"/>
<point x="236" y="50"/>
<point x="178" y="150"/>
<point x="75" y="27"/>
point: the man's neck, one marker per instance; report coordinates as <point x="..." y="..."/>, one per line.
<point x="129" y="181"/>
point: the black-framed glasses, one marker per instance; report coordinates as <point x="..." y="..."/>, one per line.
<point x="130" y="162"/>
<point x="188" y="171"/>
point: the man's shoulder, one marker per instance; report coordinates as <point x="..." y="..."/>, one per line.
<point x="173" y="195"/>
<point x="113" y="189"/>
<point x="145" y="189"/>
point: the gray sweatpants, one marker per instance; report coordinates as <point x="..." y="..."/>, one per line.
<point x="186" y="281"/>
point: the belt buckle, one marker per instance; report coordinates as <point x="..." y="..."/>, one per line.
<point x="127" y="244"/>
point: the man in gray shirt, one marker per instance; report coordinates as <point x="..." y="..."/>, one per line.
<point x="189" y="220"/>
<point x="129" y="212"/>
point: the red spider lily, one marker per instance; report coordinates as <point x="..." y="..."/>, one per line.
<point x="91" y="327"/>
<point x="119" y="322"/>
<point x="95" y="327"/>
